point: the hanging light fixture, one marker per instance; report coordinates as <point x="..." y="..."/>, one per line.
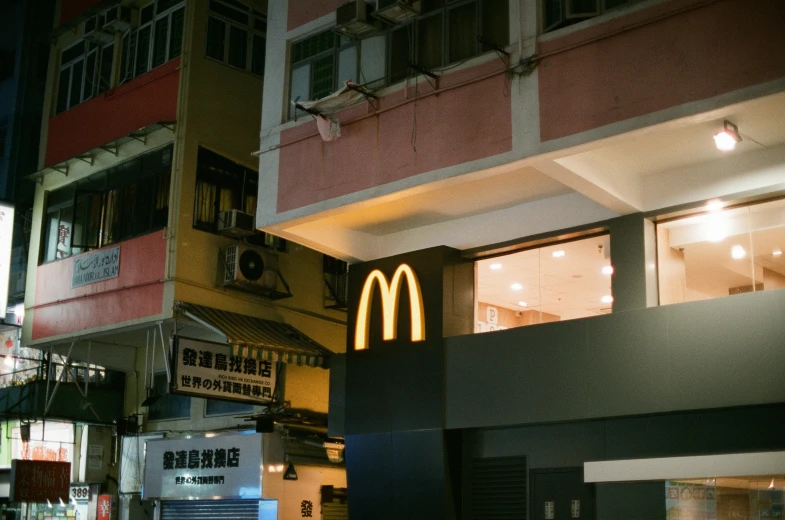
<point x="727" y="138"/>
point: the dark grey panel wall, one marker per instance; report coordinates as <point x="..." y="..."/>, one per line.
<point x="709" y="354"/>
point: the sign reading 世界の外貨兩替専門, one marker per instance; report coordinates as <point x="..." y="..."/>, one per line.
<point x="96" y="267"/>
<point x="226" y="466"/>
<point x="210" y="370"/>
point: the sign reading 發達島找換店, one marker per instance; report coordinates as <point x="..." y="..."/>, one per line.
<point x="226" y="466"/>
<point x="96" y="267"/>
<point x="204" y="369"/>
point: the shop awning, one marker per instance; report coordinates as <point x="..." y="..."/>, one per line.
<point x="259" y="338"/>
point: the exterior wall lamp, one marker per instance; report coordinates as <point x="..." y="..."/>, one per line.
<point x="727" y="138"/>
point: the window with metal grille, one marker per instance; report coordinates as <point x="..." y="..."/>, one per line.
<point x="498" y="488"/>
<point x="561" y="13"/>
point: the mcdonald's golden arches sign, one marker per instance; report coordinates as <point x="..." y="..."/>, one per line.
<point x="390" y="301"/>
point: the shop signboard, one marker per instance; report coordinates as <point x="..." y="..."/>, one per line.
<point x="103" y="510"/>
<point x="39" y="481"/>
<point x="96" y="267"/>
<point x="6" y="241"/>
<point x="225" y="466"/>
<point x="204" y="369"/>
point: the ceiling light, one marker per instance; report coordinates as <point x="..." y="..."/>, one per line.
<point x="607" y="299"/>
<point x="777" y="252"/>
<point x="495" y="267"/>
<point x="558" y="254"/>
<point x="516" y="287"/>
<point x="771" y="486"/>
<point x="522" y="304"/>
<point x="608" y="269"/>
<point x="727" y="138"/>
<point x="714" y="205"/>
<point x="737" y="252"/>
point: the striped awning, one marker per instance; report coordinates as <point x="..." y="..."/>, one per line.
<point x="258" y="338"/>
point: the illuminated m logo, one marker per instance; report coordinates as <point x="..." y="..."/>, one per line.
<point x="390" y="299"/>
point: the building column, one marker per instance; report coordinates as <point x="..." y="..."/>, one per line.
<point x="634" y="260"/>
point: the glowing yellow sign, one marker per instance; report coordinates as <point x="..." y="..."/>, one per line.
<point x="390" y="297"/>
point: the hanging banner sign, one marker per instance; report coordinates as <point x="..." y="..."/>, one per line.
<point x="210" y="370"/>
<point x="226" y="466"/>
<point x="39" y="481"/>
<point x="103" y="510"/>
<point x="96" y="267"/>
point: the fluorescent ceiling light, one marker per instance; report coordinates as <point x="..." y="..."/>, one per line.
<point x="522" y="304"/>
<point x="495" y="267"/>
<point x="558" y="254"/>
<point x="516" y="286"/>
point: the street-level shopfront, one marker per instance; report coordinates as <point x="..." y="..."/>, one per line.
<point x="517" y="421"/>
<point x="216" y="476"/>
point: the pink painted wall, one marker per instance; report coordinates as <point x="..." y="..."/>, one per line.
<point x="606" y="73"/>
<point x="148" y="99"/>
<point x="466" y="123"/>
<point x="137" y="291"/>
<point x="304" y="11"/>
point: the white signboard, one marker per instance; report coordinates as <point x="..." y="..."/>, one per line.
<point x="210" y="370"/>
<point x="53" y="441"/>
<point x="222" y="466"/>
<point x="6" y="240"/>
<point x="96" y="267"/>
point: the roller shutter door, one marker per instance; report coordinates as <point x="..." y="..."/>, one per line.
<point x="209" y="510"/>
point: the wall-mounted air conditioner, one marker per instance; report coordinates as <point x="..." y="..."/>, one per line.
<point x="249" y="269"/>
<point x="396" y="11"/>
<point x="353" y="19"/>
<point x="235" y="223"/>
<point x="117" y="18"/>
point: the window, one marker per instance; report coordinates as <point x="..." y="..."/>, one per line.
<point x="221" y="407"/>
<point x="85" y="71"/>
<point x="558" y="282"/>
<point x="169" y="406"/>
<point x="561" y="13"/>
<point x="722" y="252"/>
<point x="236" y="35"/>
<point x="158" y="39"/>
<point x="125" y="201"/>
<point x="222" y="185"/>
<point x="446" y="32"/>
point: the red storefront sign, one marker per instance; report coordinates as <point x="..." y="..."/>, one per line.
<point x="104" y="507"/>
<point x="39" y="481"/>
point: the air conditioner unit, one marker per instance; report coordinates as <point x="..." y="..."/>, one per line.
<point x="351" y="19"/>
<point x="396" y="11"/>
<point x="249" y="269"/>
<point x="235" y="223"/>
<point x="117" y="18"/>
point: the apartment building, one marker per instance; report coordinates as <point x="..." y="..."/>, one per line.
<point x="584" y="199"/>
<point x="192" y="347"/>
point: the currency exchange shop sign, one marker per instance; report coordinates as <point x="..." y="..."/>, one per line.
<point x="204" y="369"/>
<point x="226" y="466"/>
<point x="39" y="481"/>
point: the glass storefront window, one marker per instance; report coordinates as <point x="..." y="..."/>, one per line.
<point x="557" y="282"/>
<point x="725" y="498"/>
<point x="722" y="252"/>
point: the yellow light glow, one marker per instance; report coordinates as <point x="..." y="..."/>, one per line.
<point x="390" y="299"/>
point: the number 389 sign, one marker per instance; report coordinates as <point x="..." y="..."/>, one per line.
<point x="80" y="492"/>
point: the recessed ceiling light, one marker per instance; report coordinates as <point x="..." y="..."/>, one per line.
<point x="607" y="299"/>
<point x="558" y="254"/>
<point x="496" y="266"/>
<point x="737" y="252"/>
<point x="608" y="269"/>
<point x="522" y="304"/>
<point x="777" y="252"/>
<point x="516" y="286"/>
<point x="714" y="205"/>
